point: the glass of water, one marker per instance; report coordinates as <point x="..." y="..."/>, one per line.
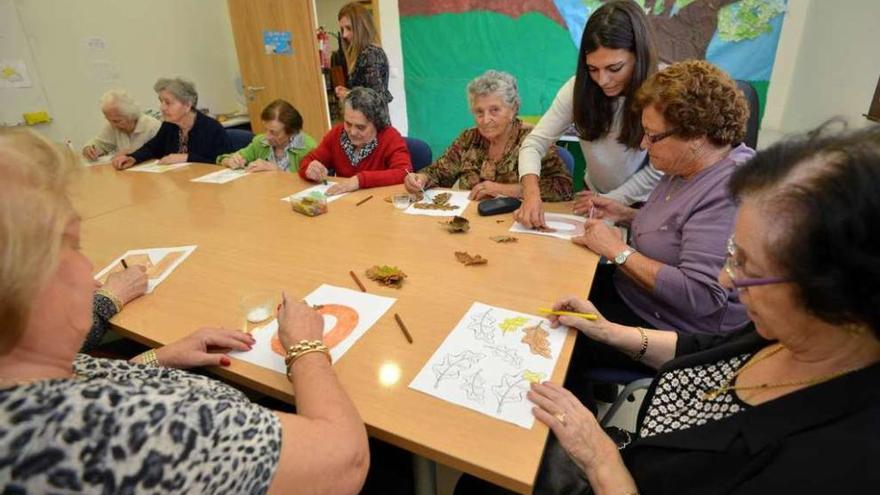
<point x="401" y="201"/>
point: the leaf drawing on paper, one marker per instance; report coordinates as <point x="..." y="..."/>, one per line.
<point x="474" y="386"/>
<point x="512" y="324"/>
<point x="507" y="354"/>
<point x="467" y="259"/>
<point x="483" y="326"/>
<point x="454" y="364"/>
<point x="536" y="338"/>
<point x="438" y="202"/>
<point x="514" y="386"/>
<point x="534" y="376"/>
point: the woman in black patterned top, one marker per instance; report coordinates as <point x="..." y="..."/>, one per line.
<point x="789" y="404"/>
<point x="367" y="62"/>
<point x="70" y="423"/>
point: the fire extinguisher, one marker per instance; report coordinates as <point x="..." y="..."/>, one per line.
<point x="324" y="47"/>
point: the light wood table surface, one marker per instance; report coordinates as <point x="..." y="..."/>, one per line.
<point x="248" y="239"/>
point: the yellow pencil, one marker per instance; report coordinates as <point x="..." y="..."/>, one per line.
<point x="586" y="316"/>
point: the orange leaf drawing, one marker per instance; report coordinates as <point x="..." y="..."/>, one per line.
<point x="536" y="338"/>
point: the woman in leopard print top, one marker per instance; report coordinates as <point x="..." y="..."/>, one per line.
<point x="70" y="423"/>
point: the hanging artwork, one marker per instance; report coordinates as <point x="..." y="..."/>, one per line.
<point x="489" y="361"/>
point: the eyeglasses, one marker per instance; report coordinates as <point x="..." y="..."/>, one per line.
<point x="660" y="136"/>
<point x="731" y="266"/>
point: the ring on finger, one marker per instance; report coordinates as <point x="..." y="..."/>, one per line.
<point x="560" y="416"/>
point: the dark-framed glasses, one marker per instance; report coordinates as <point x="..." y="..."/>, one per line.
<point x="660" y="136"/>
<point x="732" y="266"/>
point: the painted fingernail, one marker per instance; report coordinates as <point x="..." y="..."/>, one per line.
<point x="278" y="308"/>
<point x="225" y="361"/>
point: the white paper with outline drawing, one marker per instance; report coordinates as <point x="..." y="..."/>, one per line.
<point x="348" y="314"/>
<point x="459" y="199"/>
<point x="319" y="188"/>
<point x="154" y="167"/>
<point x="564" y="226"/>
<point x="488" y="361"/>
<point x="160" y="262"/>
<point x="221" y="176"/>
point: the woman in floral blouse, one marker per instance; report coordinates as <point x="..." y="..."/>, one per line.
<point x="484" y="158"/>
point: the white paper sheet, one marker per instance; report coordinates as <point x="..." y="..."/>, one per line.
<point x="484" y="365"/>
<point x="459" y="199"/>
<point x="154" y="167"/>
<point x="160" y="262"/>
<point x="348" y="314"/>
<point x="221" y="176"/>
<point x="564" y="226"/>
<point x="101" y="160"/>
<point x="320" y="188"/>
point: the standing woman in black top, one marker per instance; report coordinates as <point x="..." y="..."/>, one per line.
<point x="367" y="62"/>
<point x="186" y="135"/>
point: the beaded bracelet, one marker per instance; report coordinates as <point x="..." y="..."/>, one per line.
<point x="639" y="355"/>
<point x="302" y="348"/>
<point x="149" y="358"/>
<point x="109" y="295"/>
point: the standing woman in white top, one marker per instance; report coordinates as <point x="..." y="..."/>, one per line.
<point x="616" y="54"/>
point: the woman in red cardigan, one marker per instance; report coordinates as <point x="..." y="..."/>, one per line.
<point x="364" y="148"/>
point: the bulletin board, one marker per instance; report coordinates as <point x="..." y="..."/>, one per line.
<point x="20" y="87"/>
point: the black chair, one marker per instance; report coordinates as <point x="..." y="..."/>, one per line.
<point x="419" y="152"/>
<point x="567" y="157"/>
<point x="239" y="138"/>
<point x="754" y="123"/>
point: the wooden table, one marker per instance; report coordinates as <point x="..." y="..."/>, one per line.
<point x="248" y="239"/>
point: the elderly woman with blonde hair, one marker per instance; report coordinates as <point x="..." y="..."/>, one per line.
<point x="127" y="127"/>
<point x="77" y="424"/>
<point x="186" y="134"/>
<point x="483" y="158"/>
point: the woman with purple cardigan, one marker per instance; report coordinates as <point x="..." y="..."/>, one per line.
<point x="667" y="278"/>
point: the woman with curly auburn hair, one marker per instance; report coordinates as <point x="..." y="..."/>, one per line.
<point x="693" y="116"/>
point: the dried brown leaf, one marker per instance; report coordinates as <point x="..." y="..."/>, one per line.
<point x="457" y="224"/>
<point x="504" y="238"/>
<point x="467" y="259"/>
<point x="386" y="275"/>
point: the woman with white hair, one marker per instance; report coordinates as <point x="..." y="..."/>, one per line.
<point x="484" y="158"/>
<point x="186" y="135"/>
<point x="127" y="127"/>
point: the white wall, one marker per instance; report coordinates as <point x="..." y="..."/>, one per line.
<point x="827" y="65"/>
<point x="145" y="40"/>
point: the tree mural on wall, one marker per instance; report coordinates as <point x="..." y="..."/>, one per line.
<point x="686" y="33"/>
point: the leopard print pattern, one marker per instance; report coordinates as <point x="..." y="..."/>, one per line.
<point x="122" y="428"/>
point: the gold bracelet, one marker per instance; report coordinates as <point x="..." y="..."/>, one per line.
<point x="639" y="355"/>
<point x="302" y="348"/>
<point x="149" y="358"/>
<point x="109" y="295"/>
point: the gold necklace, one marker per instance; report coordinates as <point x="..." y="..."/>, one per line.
<point x="713" y="393"/>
